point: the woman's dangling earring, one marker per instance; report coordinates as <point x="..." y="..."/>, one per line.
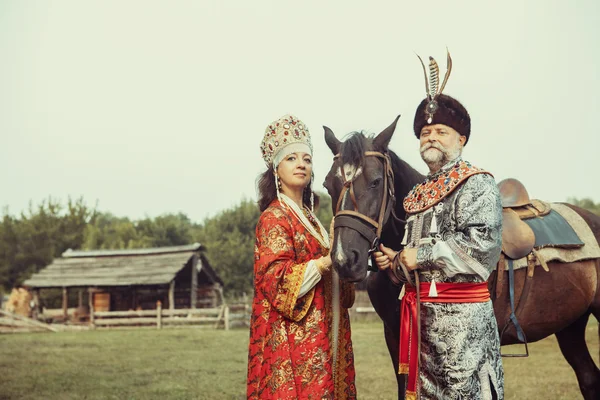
<point x="312" y="194"/>
<point x="278" y="187"/>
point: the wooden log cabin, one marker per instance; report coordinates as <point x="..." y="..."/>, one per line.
<point x="133" y="279"/>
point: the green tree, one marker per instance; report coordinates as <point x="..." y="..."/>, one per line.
<point x="9" y="249"/>
<point x="110" y="232"/>
<point x="164" y="230"/>
<point x="324" y="212"/>
<point x="229" y="238"/>
<point x="586" y="203"/>
<point x="30" y="242"/>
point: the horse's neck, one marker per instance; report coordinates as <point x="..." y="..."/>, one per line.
<point x="405" y="178"/>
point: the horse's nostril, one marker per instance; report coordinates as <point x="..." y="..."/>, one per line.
<point x="355" y="256"/>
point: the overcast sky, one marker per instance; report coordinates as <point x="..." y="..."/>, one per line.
<point x="152" y="107"/>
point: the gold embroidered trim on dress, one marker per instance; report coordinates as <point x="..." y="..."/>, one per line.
<point x="403" y="369"/>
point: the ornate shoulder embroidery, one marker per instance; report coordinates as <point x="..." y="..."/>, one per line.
<point x="433" y="190"/>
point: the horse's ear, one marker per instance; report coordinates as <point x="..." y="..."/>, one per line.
<point x="382" y="140"/>
<point x="333" y="142"/>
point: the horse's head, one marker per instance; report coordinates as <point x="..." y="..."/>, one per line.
<point x="361" y="187"/>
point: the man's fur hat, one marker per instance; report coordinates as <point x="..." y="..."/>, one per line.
<point x="438" y="108"/>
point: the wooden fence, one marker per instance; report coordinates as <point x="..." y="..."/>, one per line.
<point x="223" y="317"/>
<point x="363" y="310"/>
<point x="14" y="323"/>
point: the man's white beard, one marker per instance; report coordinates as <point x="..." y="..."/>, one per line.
<point x="436" y="156"/>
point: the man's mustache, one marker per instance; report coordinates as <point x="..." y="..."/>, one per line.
<point x="434" y="145"/>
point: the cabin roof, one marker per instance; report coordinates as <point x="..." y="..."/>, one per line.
<point x="131" y="267"/>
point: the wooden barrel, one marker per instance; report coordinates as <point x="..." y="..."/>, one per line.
<point x="101" y="301"/>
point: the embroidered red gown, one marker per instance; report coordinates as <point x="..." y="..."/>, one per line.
<point x="292" y="340"/>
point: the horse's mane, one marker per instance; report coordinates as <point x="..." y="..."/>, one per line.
<point x="352" y="150"/>
<point x="405" y="178"/>
<point x="404" y="173"/>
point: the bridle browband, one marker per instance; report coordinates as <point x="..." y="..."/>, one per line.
<point x="353" y="219"/>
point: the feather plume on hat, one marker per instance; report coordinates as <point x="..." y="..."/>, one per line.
<point x="432" y="88"/>
<point x="438" y="108"/>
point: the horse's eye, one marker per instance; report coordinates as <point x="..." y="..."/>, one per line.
<point x="375" y="183"/>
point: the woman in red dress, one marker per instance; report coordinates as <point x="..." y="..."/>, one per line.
<point x="300" y="346"/>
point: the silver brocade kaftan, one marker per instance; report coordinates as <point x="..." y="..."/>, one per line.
<point x="460" y="347"/>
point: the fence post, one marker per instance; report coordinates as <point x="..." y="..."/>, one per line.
<point x="158" y="315"/>
<point x="91" y="305"/>
<point x="171" y="297"/>
<point x="226" y="318"/>
<point x="219" y="316"/>
<point x="65" y="304"/>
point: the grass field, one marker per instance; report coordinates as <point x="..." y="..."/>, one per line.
<point x="201" y="364"/>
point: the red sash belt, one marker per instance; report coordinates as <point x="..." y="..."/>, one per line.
<point x="409" y="329"/>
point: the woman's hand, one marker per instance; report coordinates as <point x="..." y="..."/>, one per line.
<point x="324" y="263"/>
<point x="331" y="232"/>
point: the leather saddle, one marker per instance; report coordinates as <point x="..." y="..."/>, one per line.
<point x="518" y="239"/>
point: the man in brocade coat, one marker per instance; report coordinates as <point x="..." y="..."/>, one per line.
<point x="452" y="243"/>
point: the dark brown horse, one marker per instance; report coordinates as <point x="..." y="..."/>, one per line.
<point x="559" y="302"/>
